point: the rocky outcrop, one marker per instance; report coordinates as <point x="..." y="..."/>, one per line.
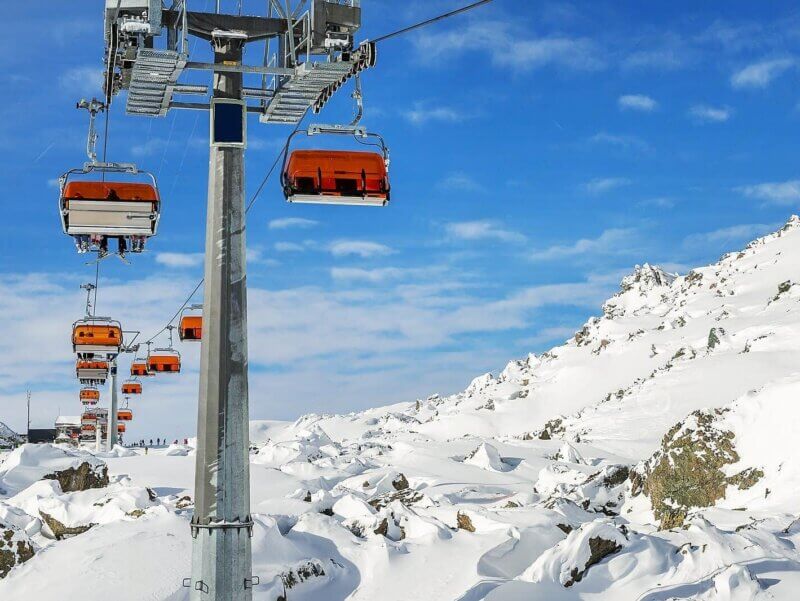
<point x="688" y="471"/>
<point x="61" y="531"/>
<point x="84" y="477"/>
<point x="15" y="548"/>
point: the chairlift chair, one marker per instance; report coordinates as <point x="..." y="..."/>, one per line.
<point x="164" y="360"/>
<point x="101" y="207"/>
<point x="96" y="337"/>
<point x="190" y="328"/>
<point x="121" y="428"/>
<point x="90" y="396"/>
<point x="139" y="368"/>
<point x="338" y="177"/>
<point x="124" y="415"/>
<point x="131" y="387"/>
<point x="92" y="373"/>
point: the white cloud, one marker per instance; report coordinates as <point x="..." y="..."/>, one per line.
<point x="482" y="230"/>
<point x="461" y="182"/>
<point x="289" y="247"/>
<point x="703" y="113"/>
<point x="361" y="248"/>
<point x="621" y="141"/>
<point x="729" y="235"/>
<point x="660" y="202"/>
<point x="86" y="81"/>
<point x="760" y="75"/>
<point x="612" y="241"/>
<point x="286" y="223"/>
<point x="606" y="184"/>
<point x="509" y="47"/>
<point x="779" y="193"/>
<point x="637" y="102"/>
<point x="382" y="274"/>
<point x="154" y="146"/>
<point x="423" y="113"/>
<point x="179" y="260"/>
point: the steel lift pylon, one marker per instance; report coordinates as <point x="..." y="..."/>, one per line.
<point x="147" y="53"/>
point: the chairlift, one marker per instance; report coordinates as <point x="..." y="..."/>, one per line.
<point x="96" y="204"/>
<point x="90" y="396"/>
<point x="92" y="373"/>
<point x="98" y="208"/>
<point x="164" y="360"/>
<point x="139" y="368"/>
<point x="337" y="177"/>
<point x="121" y="428"/>
<point x="190" y="328"/>
<point x="96" y="337"/>
<point x="124" y="415"/>
<point x="131" y="387"/>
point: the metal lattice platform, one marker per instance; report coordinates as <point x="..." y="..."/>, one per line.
<point x="155" y="75"/>
<point x="295" y="97"/>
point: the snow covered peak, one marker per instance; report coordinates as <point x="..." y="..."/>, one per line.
<point x="647" y="277"/>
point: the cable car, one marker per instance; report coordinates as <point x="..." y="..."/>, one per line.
<point x="131" y="387"/>
<point x="96" y="209"/>
<point x="164" y="360"/>
<point x="88" y="428"/>
<point x="89" y="418"/>
<point x="124" y="415"/>
<point x="139" y="368"/>
<point x="190" y="328"/>
<point x="339" y="177"/>
<point x="90" y="396"/>
<point x="96" y="337"/>
<point x="121" y="428"/>
<point x="92" y="372"/>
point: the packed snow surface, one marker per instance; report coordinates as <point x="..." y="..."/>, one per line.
<point x="538" y="482"/>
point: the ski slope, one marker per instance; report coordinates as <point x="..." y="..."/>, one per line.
<point x="523" y="486"/>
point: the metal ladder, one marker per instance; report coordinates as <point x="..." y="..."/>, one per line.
<point x="153" y="80"/>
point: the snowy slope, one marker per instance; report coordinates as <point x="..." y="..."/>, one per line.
<point x="549" y="480"/>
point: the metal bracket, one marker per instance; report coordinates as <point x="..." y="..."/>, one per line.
<point x="196" y="527"/>
<point x="249" y="583"/>
<point x="350" y="130"/>
<point x="198" y="586"/>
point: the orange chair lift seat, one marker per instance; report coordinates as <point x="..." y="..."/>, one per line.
<point x="191" y="327"/>
<point x="110" y="208"/>
<point x="131" y="388"/>
<point x="92" y="371"/>
<point x="336" y="177"/>
<point x="121" y="428"/>
<point x="90" y="394"/>
<point x="125" y="415"/>
<point x="93" y="338"/>
<point x="139" y="368"/>
<point x="164" y="362"/>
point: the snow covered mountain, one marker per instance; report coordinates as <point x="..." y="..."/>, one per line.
<point x="650" y="457"/>
<point x="8" y="438"/>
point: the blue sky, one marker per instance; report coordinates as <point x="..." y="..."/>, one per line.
<point x="539" y="151"/>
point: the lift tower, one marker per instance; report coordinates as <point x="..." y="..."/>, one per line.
<point x="314" y="56"/>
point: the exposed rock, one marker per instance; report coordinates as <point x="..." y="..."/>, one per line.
<point x="300" y="574"/>
<point x="15" y="548"/>
<point x="407" y="497"/>
<point x="687" y="471"/>
<point x="84" y="477"/>
<point x="400" y="483"/>
<point x="464" y="522"/>
<point x="59" y="530"/>
<point x="599" y="549"/>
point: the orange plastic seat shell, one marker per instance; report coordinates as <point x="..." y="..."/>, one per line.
<point x="121" y="428"/>
<point x="125" y="415"/>
<point x="122" y="191"/>
<point x="96" y="335"/>
<point x="88" y="427"/>
<point x="92" y="365"/>
<point x="191" y="327"/>
<point x="164" y="363"/>
<point x="139" y="368"/>
<point x="325" y="167"/>
<point x="132" y="388"/>
<point x="90" y="394"/>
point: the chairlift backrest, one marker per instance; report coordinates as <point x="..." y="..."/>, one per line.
<point x="191" y="328"/>
<point x="164" y="361"/>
